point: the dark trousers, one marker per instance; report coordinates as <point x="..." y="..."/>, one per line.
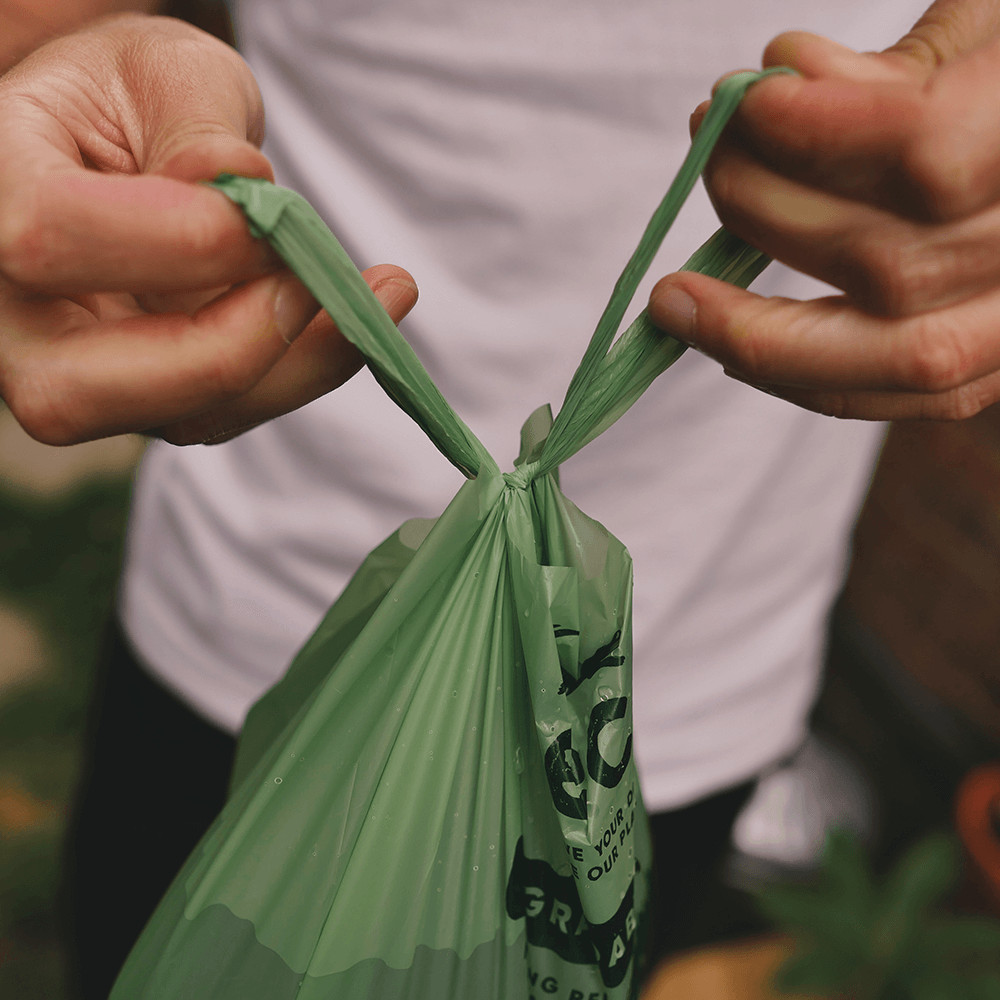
<point x="155" y="777"/>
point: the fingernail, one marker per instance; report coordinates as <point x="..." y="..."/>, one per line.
<point x="397" y="296"/>
<point x="676" y="312"/>
<point x="294" y="307"/>
<point x="697" y="117"/>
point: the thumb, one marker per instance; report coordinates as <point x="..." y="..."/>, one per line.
<point x="202" y="155"/>
<point x="319" y="360"/>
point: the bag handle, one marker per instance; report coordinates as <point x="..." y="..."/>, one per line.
<point x="609" y="379"/>
<point x="301" y="238"/>
<point x="613" y="375"/>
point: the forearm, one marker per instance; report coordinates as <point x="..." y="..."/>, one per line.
<point x="29" y="23"/>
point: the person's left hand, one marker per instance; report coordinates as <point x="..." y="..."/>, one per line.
<point x="879" y="174"/>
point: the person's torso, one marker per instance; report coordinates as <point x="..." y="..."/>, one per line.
<point x="509" y="155"/>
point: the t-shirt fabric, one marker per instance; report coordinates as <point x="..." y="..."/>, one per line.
<point x="509" y="155"/>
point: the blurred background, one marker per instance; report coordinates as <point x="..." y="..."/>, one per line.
<point x="905" y="742"/>
<point x="911" y="705"/>
<point x="62" y="518"/>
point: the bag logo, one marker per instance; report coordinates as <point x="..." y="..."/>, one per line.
<point x="550" y="905"/>
<point x="564" y="765"/>
<point x="602" y="658"/>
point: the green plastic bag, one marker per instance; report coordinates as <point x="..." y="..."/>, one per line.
<point x="439" y="800"/>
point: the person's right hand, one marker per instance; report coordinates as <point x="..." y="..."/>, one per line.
<point x="132" y="299"/>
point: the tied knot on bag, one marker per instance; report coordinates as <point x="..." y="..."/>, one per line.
<point x="523" y="476"/>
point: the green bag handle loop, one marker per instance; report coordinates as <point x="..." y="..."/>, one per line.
<point x="301" y="238"/>
<point x="612" y="376"/>
<point x="609" y="379"/>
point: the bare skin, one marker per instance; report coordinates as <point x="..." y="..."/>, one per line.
<point x="132" y="299"/>
<point x="880" y="174"/>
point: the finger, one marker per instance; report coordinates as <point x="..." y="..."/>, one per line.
<point x="125" y="99"/>
<point x="320" y="360"/>
<point x="64" y="229"/>
<point x="929" y="150"/>
<point x="92" y="377"/>
<point x="955" y="404"/>
<point x="886" y="264"/>
<point x="829" y="344"/>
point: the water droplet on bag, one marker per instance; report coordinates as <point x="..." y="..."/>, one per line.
<point x="605" y="693"/>
<point x="475" y="868"/>
<point x="519" y="761"/>
<point x="277" y="781"/>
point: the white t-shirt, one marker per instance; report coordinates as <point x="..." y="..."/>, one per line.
<point x="509" y="154"/>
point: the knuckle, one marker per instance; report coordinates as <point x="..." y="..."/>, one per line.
<point x="26" y="253"/>
<point x="928" y="45"/>
<point x="226" y="376"/>
<point x="894" y="280"/>
<point x="936" y="174"/>
<point x="938" y="359"/>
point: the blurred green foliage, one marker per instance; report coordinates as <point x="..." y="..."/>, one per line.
<point x="59" y="562"/>
<point x="886" y="939"/>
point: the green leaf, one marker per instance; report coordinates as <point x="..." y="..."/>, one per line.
<point x="811" y="913"/>
<point x="847" y="874"/>
<point x="985" y="988"/>
<point x="923" y="875"/>
<point x="816" y="970"/>
<point x="954" y="986"/>
<point x="964" y="934"/>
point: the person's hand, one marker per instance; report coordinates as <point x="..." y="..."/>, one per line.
<point x="879" y="174"/>
<point x="132" y="299"/>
